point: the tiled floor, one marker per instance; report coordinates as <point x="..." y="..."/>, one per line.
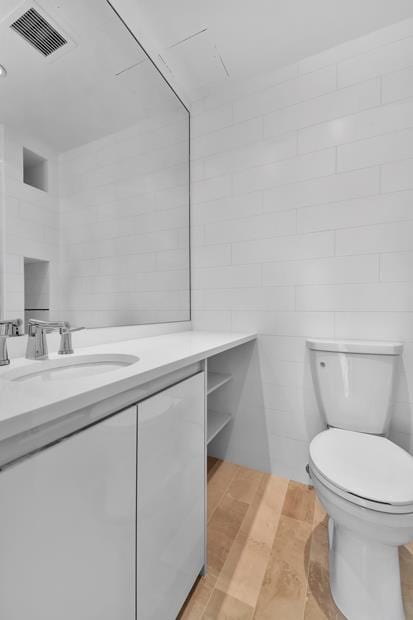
<point x="267" y="551"/>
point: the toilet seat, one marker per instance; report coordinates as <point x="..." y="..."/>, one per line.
<point x="367" y="470"/>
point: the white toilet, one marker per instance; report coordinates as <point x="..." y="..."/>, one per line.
<point x="363" y="480"/>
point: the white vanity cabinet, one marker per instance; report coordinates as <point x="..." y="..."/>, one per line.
<point x="171" y="497"/>
<point x="67" y="527"/>
<point x="109" y="522"/>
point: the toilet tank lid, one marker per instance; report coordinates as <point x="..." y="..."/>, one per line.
<point x="368" y="347"/>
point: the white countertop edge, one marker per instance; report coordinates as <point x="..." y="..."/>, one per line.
<point x="28" y="413"/>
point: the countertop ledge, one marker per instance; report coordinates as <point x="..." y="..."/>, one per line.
<point x="23" y="408"/>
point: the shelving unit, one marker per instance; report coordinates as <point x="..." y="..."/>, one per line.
<point x="216" y="421"/>
<point x="217" y="380"/>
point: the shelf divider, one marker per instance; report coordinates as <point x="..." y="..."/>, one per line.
<point x="216" y="422"/>
<point x="217" y="380"/>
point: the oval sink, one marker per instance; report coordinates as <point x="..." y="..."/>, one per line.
<point x="76" y="367"/>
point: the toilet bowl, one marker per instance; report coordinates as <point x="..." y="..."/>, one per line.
<point x="368" y="495"/>
<point x="363" y="480"/>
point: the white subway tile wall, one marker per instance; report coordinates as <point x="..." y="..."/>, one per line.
<point x="124" y="227"/>
<point x="302" y="222"/>
<point x="113" y="225"/>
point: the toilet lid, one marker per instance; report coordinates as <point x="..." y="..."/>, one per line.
<point x="368" y="466"/>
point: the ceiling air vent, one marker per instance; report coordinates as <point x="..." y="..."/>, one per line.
<point x="38" y="32"/>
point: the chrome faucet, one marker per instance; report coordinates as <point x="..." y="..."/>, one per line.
<point x="37" y="342"/>
<point x="9" y="327"/>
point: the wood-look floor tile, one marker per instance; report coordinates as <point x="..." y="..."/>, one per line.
<point x="245" y="484"/>
<point x="319" y="603"/>
<point x="285" y="582"/>
<point x="406" y="574"/>
<point x="198" y="599"/>
<point x="220" y="477"/>
<point x="299" y="502"/>
<point x="268" y="552"/>
<point x="222" y="530"/>
<point x="261" y="521"/>
<point x="222" y="606"/>
<point x="243" y="572"/>
<point x="319" y="512"/>
<point x="314" y="612"/>
<point x="211" y="463"/>
<point x="319" y="548"/>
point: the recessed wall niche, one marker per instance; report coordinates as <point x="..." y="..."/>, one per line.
<point x="36" y="290"/>
<point x="34" y="170"/>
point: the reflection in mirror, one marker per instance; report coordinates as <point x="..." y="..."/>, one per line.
<point x="94" y="171"/>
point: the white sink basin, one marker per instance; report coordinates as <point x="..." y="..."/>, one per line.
<point x="67" y="369"/>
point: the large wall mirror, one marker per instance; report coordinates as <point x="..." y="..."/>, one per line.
<point x="94" y="171"/>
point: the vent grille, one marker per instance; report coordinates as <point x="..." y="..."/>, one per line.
<point x="38" y="32"/>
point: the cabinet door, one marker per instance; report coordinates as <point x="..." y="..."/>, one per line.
<point x="171" y="498"/>
<point x="68" y="529"/>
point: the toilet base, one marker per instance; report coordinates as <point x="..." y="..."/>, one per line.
<point x="364" y="576"/>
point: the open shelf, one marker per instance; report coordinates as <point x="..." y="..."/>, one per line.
<point x="216" y="422"/>
<point x="216" y="380"/>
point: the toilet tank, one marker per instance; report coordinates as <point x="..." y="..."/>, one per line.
<point x="354" y="382"/>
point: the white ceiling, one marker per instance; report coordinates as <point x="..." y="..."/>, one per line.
<point x="102" y="84"/>
<point x="239" y="38"/>
<point x="203" y="46"/>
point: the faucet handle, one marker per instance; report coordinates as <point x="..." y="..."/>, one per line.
<point x="11" y="327"/>
<point x="66" y="347"/>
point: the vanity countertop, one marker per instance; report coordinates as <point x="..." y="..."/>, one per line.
<point x="25" y="407"/>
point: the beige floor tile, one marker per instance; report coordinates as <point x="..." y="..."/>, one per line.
<point x="319" y="604"/>
<point x="245" y="484"/>
<point x="198" y="599"/>
<point x="406" y="574"/>
<point x="225" y="607"/>
<point x="285" y="584"/>
<point x="299" y="502"/>
<point x="211" y="463"/>
<point x="220" y="477"/>
<point x="319" y="512"/>
<point x="268" y="552"/>
<point x="222" y="530"/>
<point x="244" y="569"/>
